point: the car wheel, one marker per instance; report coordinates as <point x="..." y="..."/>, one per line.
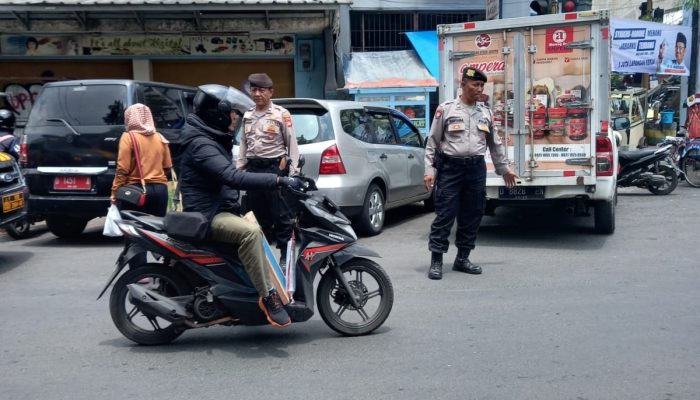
<point x="66" y="227"/>
<point x="370" y="222"/>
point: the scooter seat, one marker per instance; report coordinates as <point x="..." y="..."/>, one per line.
<point x="150" y="221"/>
<point x="634" y="155"/>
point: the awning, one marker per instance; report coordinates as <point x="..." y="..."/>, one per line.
<point x="386" y="69"/>
<point x="426" y="45"/>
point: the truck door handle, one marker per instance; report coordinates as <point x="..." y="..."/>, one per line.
<point x="410" y="155"/>
<point x="383" y="156"/>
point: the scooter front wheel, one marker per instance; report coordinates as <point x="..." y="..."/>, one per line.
<point x="132" y="322"/>
<point x="371" y="287"/>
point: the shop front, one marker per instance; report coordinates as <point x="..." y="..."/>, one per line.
<point x="191" y="43"/>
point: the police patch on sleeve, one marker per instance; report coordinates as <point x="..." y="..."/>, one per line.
<point x="287" y="119"/>
<point x="438" y="113"/>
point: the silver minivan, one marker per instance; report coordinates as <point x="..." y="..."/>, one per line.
<point x="367" y="159"/>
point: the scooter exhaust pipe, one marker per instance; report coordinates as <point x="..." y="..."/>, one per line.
<point x="657" y="180"/>
<point x="154" y="304"/>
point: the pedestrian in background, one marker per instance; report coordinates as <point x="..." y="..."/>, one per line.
<point x="154" y="157"/>
<point x="268" y="145"/>
<point x="455" y="168"/>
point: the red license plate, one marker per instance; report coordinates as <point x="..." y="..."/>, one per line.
<point x="72" y="183"/>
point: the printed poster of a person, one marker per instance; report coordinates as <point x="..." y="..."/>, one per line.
<point x="676" y="65"/>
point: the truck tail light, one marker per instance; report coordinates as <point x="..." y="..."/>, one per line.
<point x="331" y="162"/>
<point x="603" y="156"/>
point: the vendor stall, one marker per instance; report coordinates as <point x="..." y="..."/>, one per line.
<point x="396" y="79"/>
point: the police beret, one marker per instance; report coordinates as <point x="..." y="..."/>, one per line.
<point x="473" y="74"/>
<point x="260" y="80"/>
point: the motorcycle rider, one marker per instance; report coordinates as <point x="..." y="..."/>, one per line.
<point x="209" y="183"/>
<point x="8" y="142"/>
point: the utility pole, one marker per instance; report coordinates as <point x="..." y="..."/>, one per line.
<point x="650" y="12"/>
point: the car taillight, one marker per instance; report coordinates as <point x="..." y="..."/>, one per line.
<point x="331" y="163"/>
<point x="23" y="155"/>
<point x="603" y="156"/>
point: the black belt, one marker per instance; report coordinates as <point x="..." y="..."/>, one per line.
<point x="454" y="160"/>
<point x="263" y="162"/>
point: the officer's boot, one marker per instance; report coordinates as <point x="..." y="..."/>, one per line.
<point x="462" y="263"/>
<point x="435" y="271"/>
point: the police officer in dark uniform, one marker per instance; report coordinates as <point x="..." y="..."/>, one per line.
<point x="455" y="168"/>
<point x="269" y="145"/>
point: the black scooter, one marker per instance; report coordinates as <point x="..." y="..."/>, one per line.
<point x="197" y="286"/>
<point x="648" y="169"/>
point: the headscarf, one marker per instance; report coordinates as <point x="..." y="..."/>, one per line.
<point x="138" y="119"/>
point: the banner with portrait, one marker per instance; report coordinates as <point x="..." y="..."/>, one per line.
<point x="650" y="48"/>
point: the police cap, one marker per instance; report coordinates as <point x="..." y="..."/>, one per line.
<point x="261" y="80"/>
<point x="473" y="74"/>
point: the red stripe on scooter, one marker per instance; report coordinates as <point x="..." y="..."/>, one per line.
<point x="201" y="259"/>
<point x="310" y="253"/>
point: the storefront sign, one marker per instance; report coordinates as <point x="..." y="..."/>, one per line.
<point x="650" y="48"/>
<point x="242" y="45"/>
<point x="126" y="45"/>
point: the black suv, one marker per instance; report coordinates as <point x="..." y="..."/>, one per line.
<point x="69" y="147"/>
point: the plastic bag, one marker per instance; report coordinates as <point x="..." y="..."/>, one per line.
<point x="174" y="195"/>
<point x="111" y="228"/>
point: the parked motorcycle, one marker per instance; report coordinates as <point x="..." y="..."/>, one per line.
<point x="648" y="169"/>
<point x="22" y="229"/>
<point x="685" y="156"/>
<point x="197" y="286"/>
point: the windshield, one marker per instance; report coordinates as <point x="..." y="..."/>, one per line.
<point x="92" y="105"/>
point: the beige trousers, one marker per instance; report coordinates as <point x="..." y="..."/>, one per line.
<point x="230" y="228"/>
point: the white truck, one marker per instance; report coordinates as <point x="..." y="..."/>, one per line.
<point x="548" y="88"/>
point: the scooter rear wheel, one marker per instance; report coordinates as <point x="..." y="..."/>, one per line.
<point x="370" y="284"/>
<point x="134" y="324"/>
<point x="671" y="180"/>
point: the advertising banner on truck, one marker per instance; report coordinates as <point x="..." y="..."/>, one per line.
<point x="560" y="80"/>
<point x="650" y="48"/>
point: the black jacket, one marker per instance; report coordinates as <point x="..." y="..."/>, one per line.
<point x="209" y="180"/>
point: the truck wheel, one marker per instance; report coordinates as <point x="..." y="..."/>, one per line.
<point x="604" y="216"/>
<point x="66" y="227"/>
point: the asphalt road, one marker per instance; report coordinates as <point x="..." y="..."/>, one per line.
<point x="559" y="313"/>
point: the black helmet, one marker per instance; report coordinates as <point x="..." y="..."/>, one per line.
<point x="214" y="104"/>
<point x="7" y="119"/>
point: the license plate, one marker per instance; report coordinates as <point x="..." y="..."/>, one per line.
<point x="521" y="193"/>
<point x="11" y="202"/>
<point x="72" y="183"/>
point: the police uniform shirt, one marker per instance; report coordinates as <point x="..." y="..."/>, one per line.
<point x="268" y="134"/>
<point x="460" y="130"/>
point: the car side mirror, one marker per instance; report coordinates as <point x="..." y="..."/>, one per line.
<point x="621" y="123"/>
